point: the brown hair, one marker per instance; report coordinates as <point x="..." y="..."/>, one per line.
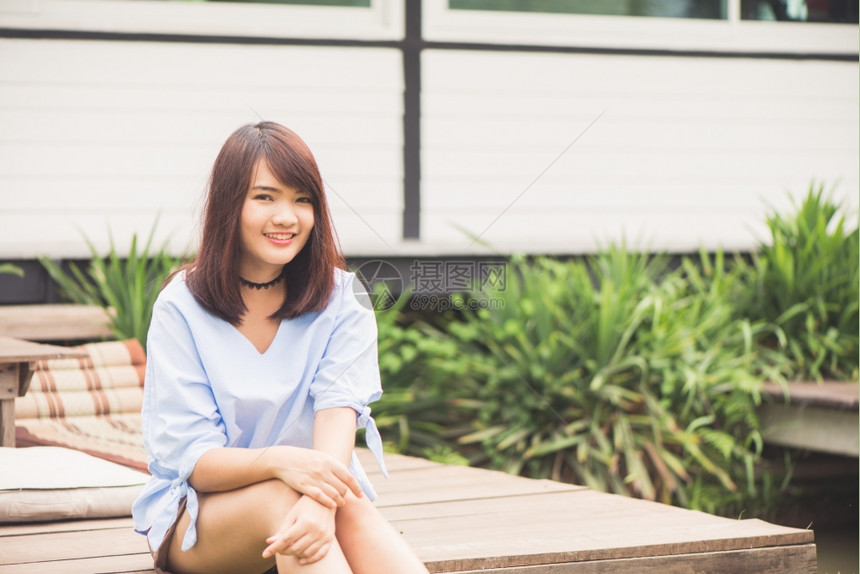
<point x="213" y="275"/>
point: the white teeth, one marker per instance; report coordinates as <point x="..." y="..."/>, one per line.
<point x="280" y="235"/>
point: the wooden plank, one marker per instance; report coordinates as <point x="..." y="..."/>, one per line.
<point x="510" y="524"/>
<point x="829" y="394"/>
<point x="71" y="545"/>
<point x="10" y="385"/>
<point x="9" y="380"/>
<point x="128" y="563"/>
<point x="54" y="322"/>
<point x="64" y="526"/>
<point x="15" y="358"/>
<point x="812" y="428"/>
<point x="573" y="526"/>
<point x="14" y="350"/>
<point x="795" y="559"/>
<point x="451" y="483"/>
<point x="7" y="422"/>
<point x="395" y="463"/>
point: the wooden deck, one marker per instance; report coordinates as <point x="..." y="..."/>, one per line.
<point x="468" y="520"/>
<point x="821" y="417"/>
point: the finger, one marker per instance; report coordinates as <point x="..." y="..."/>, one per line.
<point x="314" y="547"/>
<point x="272" y="549"/>
<point x="317" y="493"/>
<point x="333" y="493"/>
<point x="348" y="479"/>
<point x="281" y="541"/>
<point x="276" y="545"/>
<point x="301" y="546"/>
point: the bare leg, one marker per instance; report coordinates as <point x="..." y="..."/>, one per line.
<point x="334" y="561"/>
<point x="371" y="545"/>
<point x="232" y="528"/>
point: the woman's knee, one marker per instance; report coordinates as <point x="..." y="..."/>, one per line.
<point x="355" y="512"/>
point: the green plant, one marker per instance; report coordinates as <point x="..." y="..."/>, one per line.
<point x="807" y="286"/>
<point x="631" y="375"/>
<point x="10" y="269"/>
<point x="415" y="413"/>
<point x="617" y="373"/>
<point x="126" y="287"/>
<point x="536" y="355"/>
<point x="709" y="370"/>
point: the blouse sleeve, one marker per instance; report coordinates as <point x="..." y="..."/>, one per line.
<point x="181" y="419"/>
<point x="348" y="374"/>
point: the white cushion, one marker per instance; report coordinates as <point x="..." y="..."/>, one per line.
<point x="46" y="483"/>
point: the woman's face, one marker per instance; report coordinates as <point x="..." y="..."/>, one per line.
<point x="275" y="225"/>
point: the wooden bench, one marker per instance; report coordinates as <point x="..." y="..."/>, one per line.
<point x="457" y="519"/>
<point x="469" y="520"/>
<point x="55" y="322"/>
<point x="17" y="358"/>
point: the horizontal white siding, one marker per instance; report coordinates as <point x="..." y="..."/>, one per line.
<point x="688" y="152"/>
<point x="97" y="135"/>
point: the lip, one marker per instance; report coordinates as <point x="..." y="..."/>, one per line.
<point x="280" y="238"/>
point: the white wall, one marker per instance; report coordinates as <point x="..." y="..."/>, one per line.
<point x="109" y="134"/>
<point x="688" y="152"/>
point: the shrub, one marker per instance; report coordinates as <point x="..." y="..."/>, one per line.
<point x="127" y="288"/>
<point x="806" y="284"/>
<point x="627" y="375"/>
<point x="415" y="414"/>
<point x="616" y="373"/>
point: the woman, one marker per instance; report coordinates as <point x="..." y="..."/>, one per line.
<point x="260" y="365"/>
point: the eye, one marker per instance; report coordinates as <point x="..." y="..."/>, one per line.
<point x="305" y="199"/>
<point x="263" y="197"/>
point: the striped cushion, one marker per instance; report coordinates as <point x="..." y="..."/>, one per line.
<point x="91" y="404"/>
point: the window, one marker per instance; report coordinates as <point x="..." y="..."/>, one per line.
<point x="837" y="11"/>
<point x="842" y="11"/>
<point x="711" y="9"/>
<point x="796" y="27"/>
<point x="355" y="3"/>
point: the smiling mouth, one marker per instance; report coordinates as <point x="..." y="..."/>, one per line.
<point x="280" y="236"/>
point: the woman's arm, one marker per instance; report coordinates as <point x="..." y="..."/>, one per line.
<point x="315" y="473"/>
<point x="334" y="433"/>
<point x="308" y="529"/>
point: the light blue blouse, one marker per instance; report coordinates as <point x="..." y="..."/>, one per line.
<point x="207" y="386"/>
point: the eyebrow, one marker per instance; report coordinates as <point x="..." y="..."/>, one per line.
<point x="278" y="190"/>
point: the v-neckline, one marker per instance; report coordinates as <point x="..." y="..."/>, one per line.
<point x="251" y="343"/>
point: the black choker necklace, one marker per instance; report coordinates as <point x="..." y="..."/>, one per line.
<point x="258" y="286"/>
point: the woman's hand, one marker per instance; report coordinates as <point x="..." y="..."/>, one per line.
<point x="306" y="533"/>
<point x="313" y="473"/>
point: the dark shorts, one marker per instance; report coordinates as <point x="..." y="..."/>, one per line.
<point x="159" y="556"/>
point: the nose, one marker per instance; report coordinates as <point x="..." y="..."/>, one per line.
<point x="285" y="214"/>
